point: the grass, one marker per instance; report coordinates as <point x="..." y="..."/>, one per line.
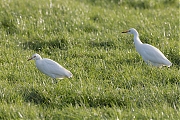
<point x="110" y="80"/>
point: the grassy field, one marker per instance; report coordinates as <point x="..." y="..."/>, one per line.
<point x="110" y="79"/>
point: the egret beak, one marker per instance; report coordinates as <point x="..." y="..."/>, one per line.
<point x="29" y="59"/>
<point x="125" y="31"/>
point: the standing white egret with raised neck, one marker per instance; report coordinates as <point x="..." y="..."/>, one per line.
<point x="150" y="54"/>
<point x="50" y="67"/>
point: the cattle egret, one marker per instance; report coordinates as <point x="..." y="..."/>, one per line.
<point x="50" y="67"/>
<point x="150" y="54"/>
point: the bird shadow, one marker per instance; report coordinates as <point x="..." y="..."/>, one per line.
<point x="34" y="96"/>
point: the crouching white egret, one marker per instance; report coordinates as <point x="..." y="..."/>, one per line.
<point x="150" y="54"/>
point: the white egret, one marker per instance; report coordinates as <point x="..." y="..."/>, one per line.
<point x="150" y="54"/>
<point x="50" y="67"/>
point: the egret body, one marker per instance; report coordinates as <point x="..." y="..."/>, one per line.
<point x="50" y="67"/>
<point x="150" y="54"/>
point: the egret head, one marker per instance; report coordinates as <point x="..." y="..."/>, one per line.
<point x="131" y="31"/>
<point x="35" y="57"/>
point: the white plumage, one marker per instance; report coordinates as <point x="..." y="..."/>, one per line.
<point x="50" y="67"/>
<point x="150" y="54"/>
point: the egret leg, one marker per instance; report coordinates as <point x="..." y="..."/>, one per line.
<point x="54" y="81"/>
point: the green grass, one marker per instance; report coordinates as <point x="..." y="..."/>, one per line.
<point x="110" y="79"/>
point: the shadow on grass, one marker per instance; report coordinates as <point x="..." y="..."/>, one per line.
<point x="88" y="28"/>
<point x="8" y="24"/>
<point x="85" y="99"/>
<point x="107" y="101"/>
<point x="104" y="44"/>
<point x="39" y="45"/>
<point x="34" y="96"/>
<point x="136" y="4"/>
<point x="174" y="56"/>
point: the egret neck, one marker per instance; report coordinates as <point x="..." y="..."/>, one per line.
<point x="137" y="41"/>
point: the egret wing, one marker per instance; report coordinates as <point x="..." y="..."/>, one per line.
<point x="153" y="54"/>
<point x="52" y="68"/>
